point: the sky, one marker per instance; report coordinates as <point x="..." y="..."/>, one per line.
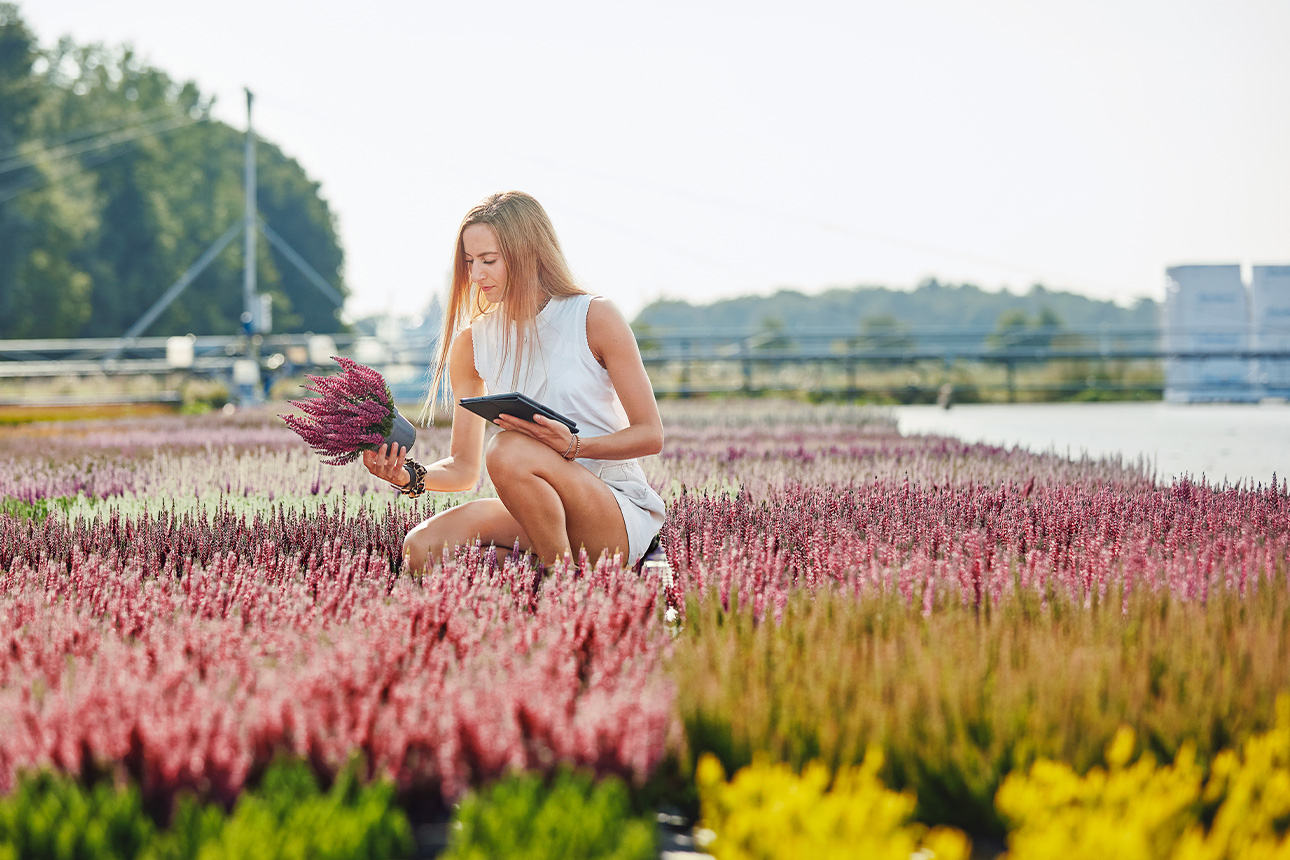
<point x="705" y="149"/>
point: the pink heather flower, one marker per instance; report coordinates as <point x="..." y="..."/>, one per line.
<point x="352" y="412"/>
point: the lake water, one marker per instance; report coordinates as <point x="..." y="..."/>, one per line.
<point x="1220" y="441"/>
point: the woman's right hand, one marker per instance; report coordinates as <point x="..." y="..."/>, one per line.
<point x="388" y="464"/>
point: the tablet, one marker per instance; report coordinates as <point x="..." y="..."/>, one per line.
<point x="513" y="403"/>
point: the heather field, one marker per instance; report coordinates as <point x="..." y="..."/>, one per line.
<point x="860" y="639"/>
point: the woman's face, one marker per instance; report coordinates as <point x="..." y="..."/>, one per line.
<point x="484" y="261"/>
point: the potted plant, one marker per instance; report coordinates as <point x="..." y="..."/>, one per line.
<point x="353" y="411"/>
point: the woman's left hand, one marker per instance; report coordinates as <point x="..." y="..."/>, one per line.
<point x="553" y="434"/>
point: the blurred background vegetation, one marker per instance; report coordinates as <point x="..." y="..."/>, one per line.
<point x="113" y="181"/>
<point x="879" y="309"/>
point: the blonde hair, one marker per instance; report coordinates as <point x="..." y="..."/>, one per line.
<point x="536" y="271"/>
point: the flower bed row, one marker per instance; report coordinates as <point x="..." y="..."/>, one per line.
<point x="765" y="811"/>
<point x="186" y="675"/>
<point x="206" y="607"/>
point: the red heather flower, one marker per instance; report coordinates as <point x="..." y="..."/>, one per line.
<point x="352" y="412"/>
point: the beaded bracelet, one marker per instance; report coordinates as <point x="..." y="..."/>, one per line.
<point x="574" y="445"/>
<point x="416" y="484"/>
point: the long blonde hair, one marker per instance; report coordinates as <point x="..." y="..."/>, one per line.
<point x="536" y="271"/>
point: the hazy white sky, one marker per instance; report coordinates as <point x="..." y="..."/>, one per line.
<point x="704" y="149"/>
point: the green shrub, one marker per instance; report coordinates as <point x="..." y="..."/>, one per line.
<point x="287" y="816"/>
<point x="199" y="396"/>
<point x="523" y="817"/>
<point x="38" y="510"/>
<point x="50" y="815"/>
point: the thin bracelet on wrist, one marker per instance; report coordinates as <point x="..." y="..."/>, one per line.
<point x="571" y="453"/>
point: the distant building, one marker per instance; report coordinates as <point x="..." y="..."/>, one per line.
<point x="1206" y="310"/>
<point x="1270" y="318"/>
<point x="1210" y="309"/>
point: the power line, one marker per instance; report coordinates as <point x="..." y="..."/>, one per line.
<point x="84" y="132"/>
<point x="43" y="179"/>
<point x="59" y="153"/>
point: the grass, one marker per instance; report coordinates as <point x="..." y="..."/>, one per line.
<point x="13" y="415"/>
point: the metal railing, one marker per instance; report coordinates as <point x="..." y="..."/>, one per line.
<point x="684" y="363"/>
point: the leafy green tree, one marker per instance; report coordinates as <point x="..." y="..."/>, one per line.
<point x="121" y="183"/>
<point x="20" y="224"/>
<point x="18" y="92"/>
<point x="938" y="314"/>
<point x="1016" y="329"/>
<point x="884" y="331"/>
<point x="294" y="207"/>
<point x="770" y="335"/>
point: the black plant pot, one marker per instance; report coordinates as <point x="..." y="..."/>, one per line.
<point x="402" y="433"/>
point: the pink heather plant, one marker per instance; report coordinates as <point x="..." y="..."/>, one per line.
<point x="353" y="412"/>
<point x="189" y="676"/>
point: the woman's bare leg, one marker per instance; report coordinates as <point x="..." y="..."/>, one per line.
<point x="558" y="505"/>
<point x="485" y="520"/>
<point x="546" y="504"/>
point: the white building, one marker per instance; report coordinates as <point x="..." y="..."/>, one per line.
<point x="1270" y="319"/>
<point x="1207" y="310"/>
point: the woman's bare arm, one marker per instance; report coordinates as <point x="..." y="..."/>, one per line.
<point x="614" y="346"/>
<point x="613" y="343"/>
<point x="459" y="471"/>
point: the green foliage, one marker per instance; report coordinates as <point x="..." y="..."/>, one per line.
<point x="37" y="510"/>
<point x="51" y="816"/>
<point x="287" y="817"/>
<point x="202" y="396"/>
<point x="959" y="700"/>
<point x="884" y="332"/>
<point x="94" y="227"/>
<point x="18" y="93"/>
<point x="932" y="304"/>
<point x="770" y="335"/>
<point x="523" y="818"/>
<point x="1015" y="329"/>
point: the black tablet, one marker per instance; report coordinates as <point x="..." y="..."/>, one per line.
<point x="514" y="403"/>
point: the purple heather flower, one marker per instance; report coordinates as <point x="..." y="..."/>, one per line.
<point x="353" y="411"/>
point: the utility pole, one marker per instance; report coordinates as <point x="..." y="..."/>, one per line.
<point x="256" y="309"/>
<point x="248" y="223"/>
<point x="246" y="373"/>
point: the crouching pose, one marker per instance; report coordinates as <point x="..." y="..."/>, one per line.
<point x="516" y="321"/>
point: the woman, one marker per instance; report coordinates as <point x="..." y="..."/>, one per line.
<point x="516" y="321"/>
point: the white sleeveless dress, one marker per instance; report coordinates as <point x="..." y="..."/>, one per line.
<point x="561" y="372"/>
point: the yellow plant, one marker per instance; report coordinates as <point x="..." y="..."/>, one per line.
<point x="768" y="811"/>
<point x="1254" y="789"/>
<point x="1148" y="811"/>
<point x="1137" y="810"/>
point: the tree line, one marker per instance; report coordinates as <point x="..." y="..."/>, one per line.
<point x="904" y="319"/>
<point x="114" y="179"/>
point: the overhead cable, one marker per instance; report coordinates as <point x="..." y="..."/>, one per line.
<point x="59" y="153"/>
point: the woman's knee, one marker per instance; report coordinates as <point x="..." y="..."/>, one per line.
<point x="509" y="455"/>
<point x="416" y="547"/>
<point x="424" y="544"/>
<point x="466" y="523"/>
